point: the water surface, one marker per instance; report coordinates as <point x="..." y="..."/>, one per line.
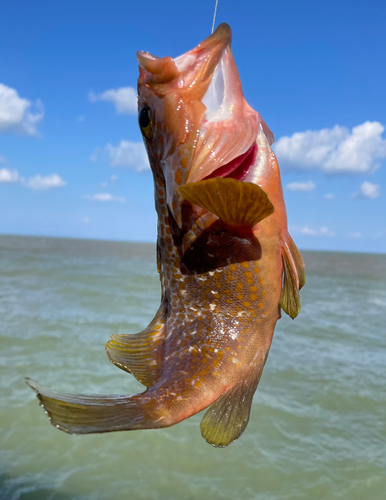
<point x="318" y="423"/>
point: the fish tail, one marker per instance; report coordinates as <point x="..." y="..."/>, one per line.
<point x="87" y="414"/>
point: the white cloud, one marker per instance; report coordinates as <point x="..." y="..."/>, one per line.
<point x="329" y="196"/>
<point x="324" y="231"/>
<point x="81" y="118"/>
<point x="105" y="197"/>
<point x="114" y="177"/>
<point x="124" y="99"/>
<point x="37" y="182"/>
<point x="7" y="175"/>
<point x="368" y="190"/>
<point x="334" y="151"/>
<point x="356" y="235"/>
<point x="310" y="231"/>
<point x="104" y="184"/>
<point x="17" y="114"/>
<point x="2" y="159"/>
<point x="127" y="154"/>
<point x="301" y="186"/>
<point x="85" y="220"/>
<point x="44" y="183"/>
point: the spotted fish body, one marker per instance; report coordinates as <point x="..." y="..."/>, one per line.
<point x="226" y="261"/>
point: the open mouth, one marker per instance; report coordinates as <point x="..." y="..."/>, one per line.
<point x="239" y="167"/>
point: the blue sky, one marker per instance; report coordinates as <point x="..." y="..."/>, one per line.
<point x="71" y="163"/>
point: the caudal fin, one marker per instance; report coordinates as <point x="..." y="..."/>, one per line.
<point x="86" y="414"/>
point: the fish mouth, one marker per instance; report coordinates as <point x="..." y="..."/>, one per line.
<point x="226" y="144"/>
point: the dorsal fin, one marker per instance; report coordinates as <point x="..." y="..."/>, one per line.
<point x="140" y="353"/>
<point x="294" y="277"/>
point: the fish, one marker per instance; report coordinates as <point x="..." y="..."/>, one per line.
<point x="226" y="261"/>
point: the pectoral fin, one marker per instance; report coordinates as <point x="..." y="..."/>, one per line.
<point x="140" y="354"/>
<point x="294" y="278"/>
<point x="228" y="417"/>
<point x="238" y="204"/>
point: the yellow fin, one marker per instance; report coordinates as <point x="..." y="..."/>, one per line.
<point x="238" y="204"/>
<point x="86" y="414"/>
<point x="140" y="354"/>
<point x="228" y="417"/>
<point x="294" y="278"/>
<point x="298" y="261"/>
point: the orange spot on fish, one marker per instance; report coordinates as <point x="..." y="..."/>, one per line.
<point x="244" y="264"/>
<point x="184" y="162"/>
<point x="178" y="176"/>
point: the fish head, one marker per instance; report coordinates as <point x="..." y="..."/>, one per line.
<point x="194" y="119"/>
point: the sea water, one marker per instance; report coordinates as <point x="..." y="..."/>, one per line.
<point x="318" y="421"/>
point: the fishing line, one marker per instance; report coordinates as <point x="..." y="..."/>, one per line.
<point x="214" y="17"/>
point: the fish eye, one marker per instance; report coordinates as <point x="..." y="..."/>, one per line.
<point x="145" y="121"/>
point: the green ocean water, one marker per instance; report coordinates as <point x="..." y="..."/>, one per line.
<point x="318" y="423"/>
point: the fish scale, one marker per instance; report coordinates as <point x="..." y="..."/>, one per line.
<point x="226" y="261"/>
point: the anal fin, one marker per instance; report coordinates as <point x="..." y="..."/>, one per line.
<point x="140" y="353"/>
<point x="238" y="204"/>
<point x="294" y="278"/>
<point x="228" y="417"/>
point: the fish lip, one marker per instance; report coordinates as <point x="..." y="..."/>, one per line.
<point x="213" y="47"/>
<point x="222" y="36"/>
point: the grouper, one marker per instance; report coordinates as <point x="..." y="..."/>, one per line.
<point x="226" y="261"/>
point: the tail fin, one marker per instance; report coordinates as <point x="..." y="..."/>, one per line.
<point x="86" y="414"/>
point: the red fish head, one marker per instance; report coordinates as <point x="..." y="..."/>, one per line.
<point x="194" y="118"/>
